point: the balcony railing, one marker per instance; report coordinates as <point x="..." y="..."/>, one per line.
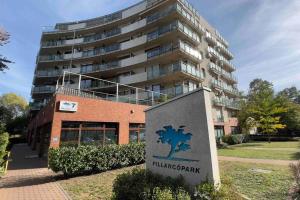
<point x="211" y="51"/>
<point x="226" y="88"/>
<point x="86" y="39"/>
<point x="229" y="103"/>
<point x="175" y="67"/>
<point x="218" y="70"/>
<point x="109" y="90"/>
<point x="43" y="89"/>
<point x="52" y="73"/>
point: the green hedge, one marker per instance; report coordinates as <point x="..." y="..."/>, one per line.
<point x="80" y="160"/>
<point x="4" y="140"/>
<point x="142" y="184"/>
<point x="235" y="139"/>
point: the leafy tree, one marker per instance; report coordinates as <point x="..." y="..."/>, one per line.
<point x="12" y="107"/>
<point x="262" y="108"/>
<point x="292" y="117"/>
<point x="4" y="38"/>
<point x="292" y="94"/>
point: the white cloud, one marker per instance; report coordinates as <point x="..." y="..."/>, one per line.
<point x="269" y="44"/>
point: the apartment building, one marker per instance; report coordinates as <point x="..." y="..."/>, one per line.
<point x="163" y="46"/>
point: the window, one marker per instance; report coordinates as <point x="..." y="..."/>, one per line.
<point x="136" y="133"/>
<point x="86" y="68"/>
<point x="219" y="132"/>
<point x="91" y="133"/>
<point x="203" y="72"/>
<point x="234" y="130"/>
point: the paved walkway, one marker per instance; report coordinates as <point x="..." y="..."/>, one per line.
<point x="258" y="161"/>
<point x="28" y="178"/>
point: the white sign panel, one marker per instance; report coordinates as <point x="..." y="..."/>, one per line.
<point x="68" y="106"/>
<point x="180" y="138"/>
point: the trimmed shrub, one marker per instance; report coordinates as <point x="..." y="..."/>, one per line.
<point x="80" y="160"/>
<point x="235" y="139"/>
<point x="142" y="184"/>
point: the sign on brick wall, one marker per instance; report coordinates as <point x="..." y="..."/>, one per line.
<point x="68" y="106"/>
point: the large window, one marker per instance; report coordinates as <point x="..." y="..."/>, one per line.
<point x="89" y="133"/>
<point x="136" y="133"/>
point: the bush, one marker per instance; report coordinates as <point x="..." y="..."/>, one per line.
<point x="4" y="138"/>
<point x="80" y="160"/>
<point x="141" y="184"/>
<point x="235" y="139"/>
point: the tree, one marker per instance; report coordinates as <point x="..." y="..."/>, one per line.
<point x="262" y="106"/>
<point x="4" y="38"/>
<point x="292" y="117"/>
<point x="11" y="107"/>
<point x="292" y="94"/>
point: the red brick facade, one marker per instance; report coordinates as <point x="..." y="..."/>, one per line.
<point x="89" y="110"/>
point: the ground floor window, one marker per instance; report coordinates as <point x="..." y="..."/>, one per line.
<point x="234" y="130"/>
<point x="89" y="133"/>
<point x="219" y="131"/>
<point x="136" y="133"/>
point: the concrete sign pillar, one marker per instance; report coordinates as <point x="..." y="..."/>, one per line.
<point x="180" y="138"/>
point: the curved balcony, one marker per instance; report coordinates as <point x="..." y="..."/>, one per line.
<point x="177" y="25"/>
<point x="99" y="21"/>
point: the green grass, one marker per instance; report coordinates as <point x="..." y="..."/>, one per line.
<point x="264" y="150"/>
<point x="93" y="187"/>
<point x="295" y="144"/>
<point x="256" y="185"/>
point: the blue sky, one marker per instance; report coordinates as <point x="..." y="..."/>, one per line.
<point x="264" y="35"/>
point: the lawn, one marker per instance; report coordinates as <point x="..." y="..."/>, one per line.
<point x="294" y="144"/>
<point x="257" y="181"/>
<point x="264" y="150"/>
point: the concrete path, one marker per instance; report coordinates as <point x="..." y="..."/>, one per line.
<point x="258" y="161"/>
<point x="28" y="178"/>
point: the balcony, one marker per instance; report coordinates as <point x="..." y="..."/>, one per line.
<point x="53" y="73"/>
<point x="141" y="77"/>
<point x="228" y="103"/>
<point x="215" y="68"/>
<point x="176" y="67"/>
<point x="218" y="102"/>
<point x="210" y="39"/>
<point x="224" y="50"/>
<point x="219" y="119"/>
<point x="231" y="91"/>
<point x="228" y="89"/>
<point x="35" y="106"/>
<point x="228" y="76"/>
<point x="234" y="105"/>
<point x="43" y="89"/>
<point x="226" y="63"/>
